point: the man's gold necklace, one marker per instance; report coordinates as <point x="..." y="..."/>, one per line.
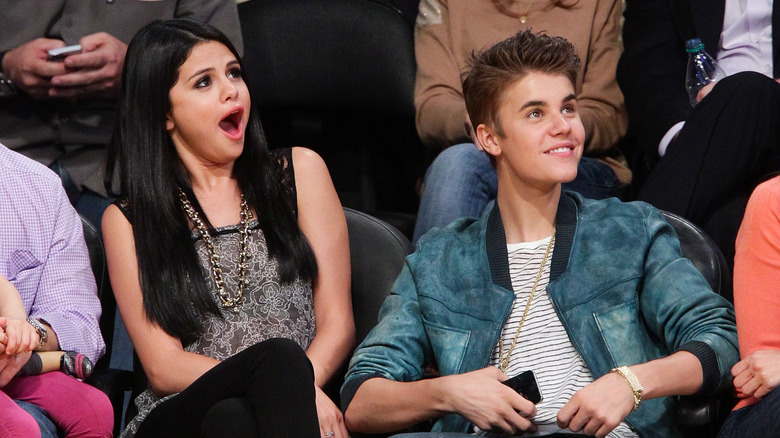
<point x="503" y="364"/>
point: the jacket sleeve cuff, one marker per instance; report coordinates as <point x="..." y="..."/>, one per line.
<point x="350" y="388"/>
<point x="709" y="365"/>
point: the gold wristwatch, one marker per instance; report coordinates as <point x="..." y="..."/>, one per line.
<point x="633" y="381"/>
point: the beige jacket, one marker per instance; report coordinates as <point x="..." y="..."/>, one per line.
<point x="448" y="31"/>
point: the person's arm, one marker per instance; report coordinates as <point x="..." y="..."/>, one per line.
<point x="168" y="367"/>
<point x="383" y="405"/>
<point x="695" y="324"/>
<point x="600" y="407"/>
<point x="600" y="100"/>
<point x="756" y="274"/>
<point x="66" y="300"/>
<point x="438" y="95"/>
<point x="20" y="336"/>
<point x="321" y="219"/>
<point x="651" y="71"/>
<point x="385" y="388"/>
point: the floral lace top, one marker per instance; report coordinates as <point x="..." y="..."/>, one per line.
<point x="270" y="309"/>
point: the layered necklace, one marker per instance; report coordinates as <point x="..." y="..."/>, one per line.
<point x="503" y="363"/>
<point x="228" y="302"/>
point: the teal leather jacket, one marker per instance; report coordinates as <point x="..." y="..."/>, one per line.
<point x="618" y="282"/>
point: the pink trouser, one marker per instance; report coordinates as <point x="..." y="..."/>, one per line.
<point x="79" y="409"/>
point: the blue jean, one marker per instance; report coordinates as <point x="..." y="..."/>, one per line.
<point x="755" y="421"/>
<point x="461" y="182"/>
<point x="48" y="429"/>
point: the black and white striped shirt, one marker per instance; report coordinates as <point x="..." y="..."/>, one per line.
<point x="543" y="345"/>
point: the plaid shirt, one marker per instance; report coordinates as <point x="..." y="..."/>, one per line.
<point x="43" y="253"/>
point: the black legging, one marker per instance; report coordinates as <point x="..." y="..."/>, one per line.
<point x="266" y="390"/>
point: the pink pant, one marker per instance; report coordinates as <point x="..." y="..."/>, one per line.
<point x="79" y="409"/>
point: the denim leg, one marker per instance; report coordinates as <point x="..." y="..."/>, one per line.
<point x="48" y="429"/>
<point x="459" y="183"/>
<point x="760" y="420"/>
<point x="595" y="180"/>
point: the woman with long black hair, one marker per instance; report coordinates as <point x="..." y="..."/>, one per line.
<point x="220" y="251"/>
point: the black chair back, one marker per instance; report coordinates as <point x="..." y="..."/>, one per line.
<point x="112" y="382"/>
<point x="337" y="76"/>
<point x="700" y="249"/>
<point x="377" y="253"/>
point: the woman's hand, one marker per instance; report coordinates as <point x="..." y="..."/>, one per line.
<point x="21" y="336"/>
<point x="330" y="417"/>
<point x="757" y="374"/>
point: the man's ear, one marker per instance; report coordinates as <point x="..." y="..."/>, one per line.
<point x="489" y="140"/>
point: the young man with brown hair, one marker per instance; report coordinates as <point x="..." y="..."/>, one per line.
<point x="594" y="297"/>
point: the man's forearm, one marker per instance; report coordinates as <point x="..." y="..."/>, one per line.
<point x="382" y="405"/>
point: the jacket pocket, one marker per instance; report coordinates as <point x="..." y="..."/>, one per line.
<point x="621" y="329"/>
<point x="449" y="346"/>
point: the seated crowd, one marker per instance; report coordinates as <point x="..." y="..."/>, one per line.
<point x="542" y="256"/>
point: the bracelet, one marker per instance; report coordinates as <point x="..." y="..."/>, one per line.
<point x="43" y="335"/>
<point x="633" y="381"/>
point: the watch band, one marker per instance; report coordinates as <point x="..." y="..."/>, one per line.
<point x="43" y="334"/>
<point x="633" y="381"/>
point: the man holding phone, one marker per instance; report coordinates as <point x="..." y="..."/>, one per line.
<point x="594" y="297"/>
<point x="59" y="110"/>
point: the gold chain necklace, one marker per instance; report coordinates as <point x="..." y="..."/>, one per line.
<point x="216" y="269"/>
<point x="504" y="360"/>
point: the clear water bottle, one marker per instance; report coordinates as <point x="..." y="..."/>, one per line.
<point x="702" y="69"/>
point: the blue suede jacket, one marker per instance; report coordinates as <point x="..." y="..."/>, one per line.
<point x="618" y="282"/>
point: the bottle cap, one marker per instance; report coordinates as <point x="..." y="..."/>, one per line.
<point x="693" y="45"/>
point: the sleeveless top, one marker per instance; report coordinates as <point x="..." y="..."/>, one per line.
<point x="270" y="309"/>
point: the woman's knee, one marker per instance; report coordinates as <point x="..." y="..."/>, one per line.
<point x="78" y="408"/>
<point x="233" y="417"/>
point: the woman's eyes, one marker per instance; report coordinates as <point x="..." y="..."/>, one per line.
<point x="234" y="73"/>
<point x="205" y="81"/>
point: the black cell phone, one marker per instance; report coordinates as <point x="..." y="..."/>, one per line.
<point x="525" y="385"/>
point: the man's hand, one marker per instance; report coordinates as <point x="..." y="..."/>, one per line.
<point x="330" y="417"/>
<point x="599" y="407"/>
<point x="96" y="71"/>
<point x="29" y="67"/>
<point x="705" y="90"/>
<point x="11" y="364"/>
<point x="480" y="397"/>
<point x="757" y="374"/>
